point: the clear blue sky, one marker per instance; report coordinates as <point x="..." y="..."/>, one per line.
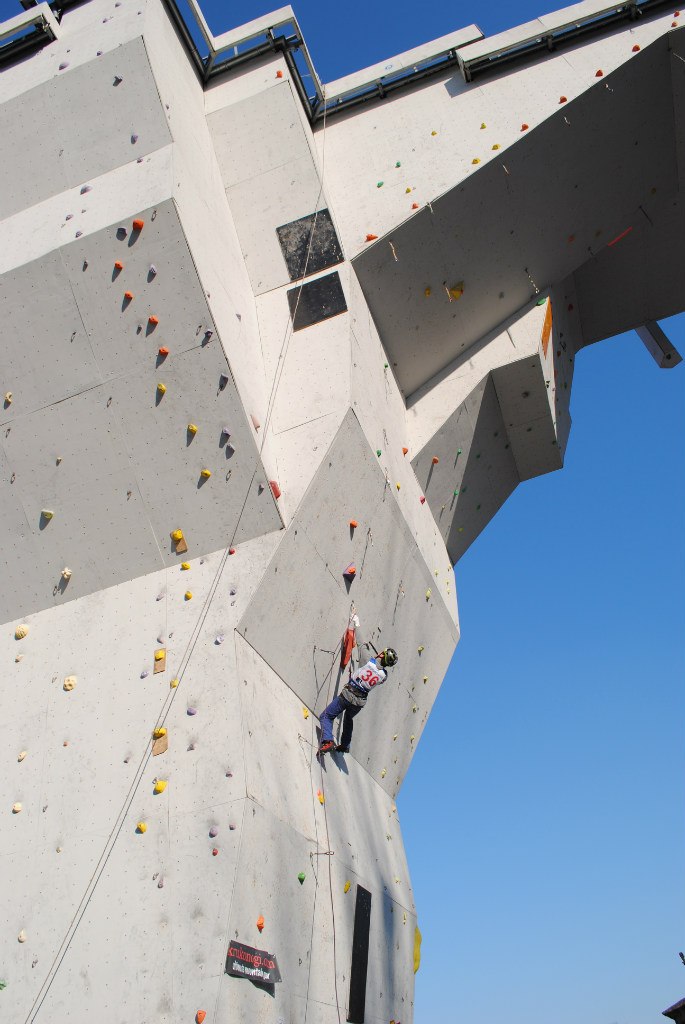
<point x="543" y="811"/>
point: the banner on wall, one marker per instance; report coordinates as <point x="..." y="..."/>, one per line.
<point x="256" y="964"/>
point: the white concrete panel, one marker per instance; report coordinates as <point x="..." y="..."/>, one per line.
<point x="99" y="139"/>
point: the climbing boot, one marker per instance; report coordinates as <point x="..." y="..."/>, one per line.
<point x="342" y="750"/>
<point x="325" y="747"/>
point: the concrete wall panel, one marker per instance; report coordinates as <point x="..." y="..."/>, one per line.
<point x="99" y="139"/>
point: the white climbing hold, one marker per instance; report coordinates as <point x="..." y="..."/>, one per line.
<point x="22" y="755"/>
<point x="69" y="683"/>
<point x="21" y="631"/>
<point x="66" y="574"/>
<point x="21" y="937"/>
<point x="17" y="808"/>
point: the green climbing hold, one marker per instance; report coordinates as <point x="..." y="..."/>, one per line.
<point x="458" y="451"/>
<point x="379" y="184"/>
<point x="385" y="365"/>
<point x="3" y="984"/>
<point x="301" y="877"/>
<point x="456" y="492"/>
<point x="398" y="164"/>
<point x="541" y="301"/>
<point x="378" y="452"/>
<point x="477" y="508"/>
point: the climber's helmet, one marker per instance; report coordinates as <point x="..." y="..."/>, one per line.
<point x="388" y="657"/>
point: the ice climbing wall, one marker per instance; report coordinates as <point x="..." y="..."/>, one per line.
<point x="262" y="372"/>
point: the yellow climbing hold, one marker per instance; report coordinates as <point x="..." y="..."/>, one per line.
<point x="69" y="683"/>
<point x="160" y="785"/>
<point x="412" y="738"/>
<point x="417" y="949"/>
<point x="185" y="565"/>
<point x="427" y="292"/>
<point x="407" y="190"/>
<point x="177" y="535"/>
<point x="425" y="679"/>
<point x="141" y="827"/>
<point x="205" y="473"/>
<point x="21" y="631"/>
<point x="434" y="133"/>
<point x="47" y="513"/>
<point x="395" y="736"/>
<point x="383" y="773"/>
<point x="173" y="684"/>
<point x="397" y="486"/>
<point x="8" y="398"/>
<point x="192" y="429"/>
<point x="457" y="291"/>
<point x="158" y="733"/>
<point x="346" y="887"/>
<point x="305" y="712"/>
<point x="161" y="388"/>
<point x="483" y="125"/>
<point x="188" y="595"/>
<point x="428" y="594"/>
<point x="421" y="648"/>
<point x="160" y="655"/>
<point x="320" y="796"/>
<point x="497" y="146"/>
<point x="475" y="160"/>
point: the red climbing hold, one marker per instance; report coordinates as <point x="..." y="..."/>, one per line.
<point x="118" y="265"/>
<point x="422" y="500"/>
<point x="435" y="460"/>
<point x="260" y="923"/>
<point x="164" y="352"/>
<point x="231" y="551"/>
<point x="414" y="206"/>
<point x="524" y="127"/>
<point x="128" y="296"/>
<point x="347" y="648"/>
<point x="636" y="47"/>
<point x="563" y="99"/>
<point x="215" y="852"/>
<point x="371" y="238"/>
<point x="275" y="489"/>
<point x="138" y="224"/>
<point x="599" y="73"/>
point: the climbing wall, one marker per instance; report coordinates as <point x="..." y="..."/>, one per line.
<point x="259" y="376"/>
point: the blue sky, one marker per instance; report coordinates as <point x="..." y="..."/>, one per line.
<point x="543" y="811"/>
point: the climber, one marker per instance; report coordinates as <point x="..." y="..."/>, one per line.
<point x="352" y="699"/>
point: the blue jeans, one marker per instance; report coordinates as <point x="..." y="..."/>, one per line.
<point x="335" y="708"/>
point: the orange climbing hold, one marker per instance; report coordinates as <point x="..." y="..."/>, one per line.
<point x="279" y="74"/>
<point x="200" y="1016"/>
<point x="163" y="352"/>
<point x="414" y="206"/>
<point x="350" y="571"/>
<point x="118" y="265"/>
<point x="153" y="320"/>
<point x="260" y="923"/>
<point x="354" y="524"/>
<point x="371" y="238"/>
<point x="524" y="127"/>
<point x="404" y="451"/>
<point x="138" y="224"/>
<point x="435" y="460"/>
<point x="128" y="296"/>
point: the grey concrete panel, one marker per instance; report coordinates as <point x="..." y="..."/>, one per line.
<point x="523" y="227"/>
<point x="46" y="354"/>
<point x="484" y="472"/>
<point x="97" y="140"/>
<point x="290" y="626"/>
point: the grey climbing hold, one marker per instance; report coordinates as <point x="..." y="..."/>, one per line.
<point x="144" y="674"/>
<point x="63" y="65"/>
<point x="134" y="139"/>
<point x="232" y="591"/>
<point x="117" y="80"/>
<point x="220" y="639"/>
<point x="214" y="831"/>
<point x="69" y="216"/>
<point x="192" y="711"/>
<point x="86" y="188"/>
<point x="78" y="234"/>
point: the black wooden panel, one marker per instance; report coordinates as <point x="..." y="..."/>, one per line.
<point x="325" y="248"/>
<point x="360" y="956"/>
<point x="315" y="301"/>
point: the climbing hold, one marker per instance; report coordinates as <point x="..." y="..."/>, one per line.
<point x="320" y="796"/>
<point x="524" y="127"/>
<point x="260" y="923"/>
<point x="86" y="188"/>
<point x="188" y="596"/>
<point x="160" y="785"/>
<point x="141" y="827"/>
<point x="21" y="631"/>
<point x="379" y="184"/>
<point x="160" y="656"/>
<point x="153" y="270"/>
<point x="47" y="513"/>
<point x="191" y="711"/>
<point x="353" y="524"/>
<point x="173" y="683"/>
<point x="201" y="1014"/>
<point x="347" y="886"/>
<point x="22" y="755"/>
<point x="21" y="937"/>
<point x="371" y="238"/>
<point x="421" y="648"/>
<point x="305" y="712"/>
<point x="427" y="292"/>
<point x="384" y="772"/>
<point x="404" y="451"/>
<point x="397" y="486"/>
<point x="153" y="320"/>
<point x="497" y="146"/>
<point x="16" y="808"/>
<point x="69" y="683"/>
<point x="275" y="489"/>
<point x="599" y="73"/>
<point x="456" y="292"/>
<point x="138" y="224"/>
<point x="8" y="398"/>
<point x="66" y="574"/>
<point x="205" y="473"/>
<point x="350" y="571"/>
<point x="213" y="832"/>
<point x="378" y="452"/>
<point x="434" y="133"/>
<point x="128" y="296"/>
<point x="398" y="164"/>
<point x="161" y="388"/>
<point x="422" y="500"/>
<point x="279" y="74"/>
<point x="414" y="206"/>
<point x="163" y="352"/>
<point x="563" y="99"/>
<point x="219" y="639"/>
<point x="475" y="160"/>
<point x="428" y="594"/>
<point x="301" y="877"/>
<point x="407" y="190"/>
<point x="231" y="551"/>
<point x="435" y="460"/>
<point x="159" y="732"/>
<point x="483" y="125"/>
<point x="185" y="565"/>
<point x="455" y="492"/>
<point x="425" y="679"/>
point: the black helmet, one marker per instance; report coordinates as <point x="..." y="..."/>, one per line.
<point x="389" y="657"/>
